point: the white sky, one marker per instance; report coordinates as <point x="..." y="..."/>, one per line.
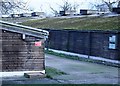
<point x="44" y="5"/>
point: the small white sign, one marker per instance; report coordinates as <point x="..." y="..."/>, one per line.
<point x="112" y="46"/>
<point x="112" y="39"/>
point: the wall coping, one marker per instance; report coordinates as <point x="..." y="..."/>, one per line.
<point x="24" y="29"/>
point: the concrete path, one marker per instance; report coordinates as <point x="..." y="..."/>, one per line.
<point x="83" y="72"/>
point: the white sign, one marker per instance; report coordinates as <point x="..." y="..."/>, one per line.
<point x="112" y="46"/>
<point x="112" y="39"/>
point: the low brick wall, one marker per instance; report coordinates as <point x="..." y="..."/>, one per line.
<point x="21" y="54"/>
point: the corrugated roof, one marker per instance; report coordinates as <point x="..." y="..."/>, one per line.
<point x="23" y="29"/>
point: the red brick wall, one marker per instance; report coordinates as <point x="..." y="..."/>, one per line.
<point x="21" y="55"/>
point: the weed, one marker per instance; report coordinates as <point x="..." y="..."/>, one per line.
<point x="51" y="72"/>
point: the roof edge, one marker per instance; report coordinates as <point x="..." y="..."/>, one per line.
<point x="21" y="28"/>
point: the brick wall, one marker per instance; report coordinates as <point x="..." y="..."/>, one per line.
<point x="21" y="55"/>
<point x="58" y="39"/>
<point x="119" y="45"/>
<point x="100" y="45"/>
<point x="93" y="43"/>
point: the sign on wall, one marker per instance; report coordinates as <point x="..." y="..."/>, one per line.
<point x="112" y="42"/>
<point x="38" y="43"/>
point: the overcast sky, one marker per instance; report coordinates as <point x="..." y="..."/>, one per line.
<point x="44" y="5"/>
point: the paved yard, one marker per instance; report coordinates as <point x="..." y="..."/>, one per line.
<point x="83" y="72"/>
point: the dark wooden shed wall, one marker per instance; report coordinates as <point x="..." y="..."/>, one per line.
<point x="19" y="54"/>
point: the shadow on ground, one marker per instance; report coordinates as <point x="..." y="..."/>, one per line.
<point x="23" y="80"/>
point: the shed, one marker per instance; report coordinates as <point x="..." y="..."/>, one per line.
<point x="38" y="14"/>
<point x="15" y="15"/>
<point x="22" y="48"/>
<point x="5" y="16"/>
<point x="70" y="12"/>
<point x="83" y="12"/>
<point x="62" y="13"/>
<point x="87" y="11"/>
<point x="116" y="10"/>
<point x="25" y="15"/>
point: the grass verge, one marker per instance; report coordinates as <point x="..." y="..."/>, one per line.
<point x="82" y="59"/>
<point x="84" y="23"/>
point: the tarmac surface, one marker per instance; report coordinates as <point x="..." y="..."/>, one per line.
<point x="23" y="80"/>
<point x="78" y="72"/>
